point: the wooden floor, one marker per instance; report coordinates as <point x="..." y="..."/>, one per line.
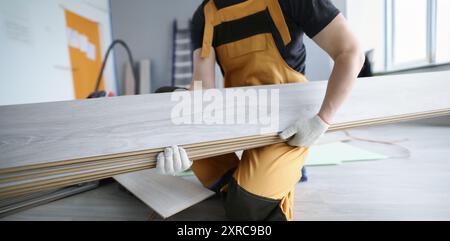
<point x="400" y="188"/>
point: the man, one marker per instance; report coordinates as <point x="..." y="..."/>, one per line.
<point x="260" y="42"/>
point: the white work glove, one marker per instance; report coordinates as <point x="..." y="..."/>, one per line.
<point x="172" y="161"/>
<point x="306" y="131"/>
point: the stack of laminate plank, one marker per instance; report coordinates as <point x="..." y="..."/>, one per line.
<point x="51" y="145"/>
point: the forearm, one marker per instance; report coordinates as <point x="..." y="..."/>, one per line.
<point x="207" y="83"/>
<point x="342" y="80"/>
<point x="204" y="70"/>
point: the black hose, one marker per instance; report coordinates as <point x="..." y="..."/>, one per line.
<point x="130" y="59"/>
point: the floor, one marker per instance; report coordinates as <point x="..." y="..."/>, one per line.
<point x="414" y="184"/>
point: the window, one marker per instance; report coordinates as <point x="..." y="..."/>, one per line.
<point x="404" y="34"/>
<point x="409" y="32"/>
<point x="443" y="31"/>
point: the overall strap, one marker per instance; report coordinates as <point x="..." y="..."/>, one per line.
<point x="278" y="18"/>
<point x="211" y="20"/>
<point x="214" y="17"/>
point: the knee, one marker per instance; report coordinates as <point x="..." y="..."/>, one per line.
<point x="241" y="205"/>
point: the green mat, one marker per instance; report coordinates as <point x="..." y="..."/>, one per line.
<point x="186" y="174"/>
<point x="337" y="153"/>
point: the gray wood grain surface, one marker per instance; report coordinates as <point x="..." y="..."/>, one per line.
<point x="52" y="132"/>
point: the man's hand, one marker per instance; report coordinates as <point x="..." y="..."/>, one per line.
<point x="306" y="131"/>
<point x="172" y="161"/>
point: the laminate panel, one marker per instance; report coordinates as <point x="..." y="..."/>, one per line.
<point x="414" y="187"/>
<point x="23" y="182"/>
<point x="55" y="132"/>
<point x="167" y="195"/>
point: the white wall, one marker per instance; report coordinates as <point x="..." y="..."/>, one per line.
<point x="34" y="55"/>
<point x="146" y="25"/>
<point x="318" y="64"/>
<point x="366" y="19"/>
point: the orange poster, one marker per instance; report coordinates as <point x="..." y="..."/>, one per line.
<point x="85" y="55"/>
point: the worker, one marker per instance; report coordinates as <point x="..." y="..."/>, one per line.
<point x="260" y="42"/>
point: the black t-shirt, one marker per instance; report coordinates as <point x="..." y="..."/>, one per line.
<point x="302" y="16"/>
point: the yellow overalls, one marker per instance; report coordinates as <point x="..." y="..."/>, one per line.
<point x="263" y="181"/>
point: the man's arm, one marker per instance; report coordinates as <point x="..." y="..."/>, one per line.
<point x="204" y="69"/>
<point x="174" y="160"/>
<point x="343" y="47"/>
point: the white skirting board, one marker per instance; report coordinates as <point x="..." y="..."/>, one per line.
<point x="8" y="207"/>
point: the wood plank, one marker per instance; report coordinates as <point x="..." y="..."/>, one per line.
<point x="404" y="188"/>
<point x="145" y="86"/>
<point x="50" y="145"/>
<point x="53" y="132"/>
<point x="129" y="83"/>
<point x="166" y="195"/>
